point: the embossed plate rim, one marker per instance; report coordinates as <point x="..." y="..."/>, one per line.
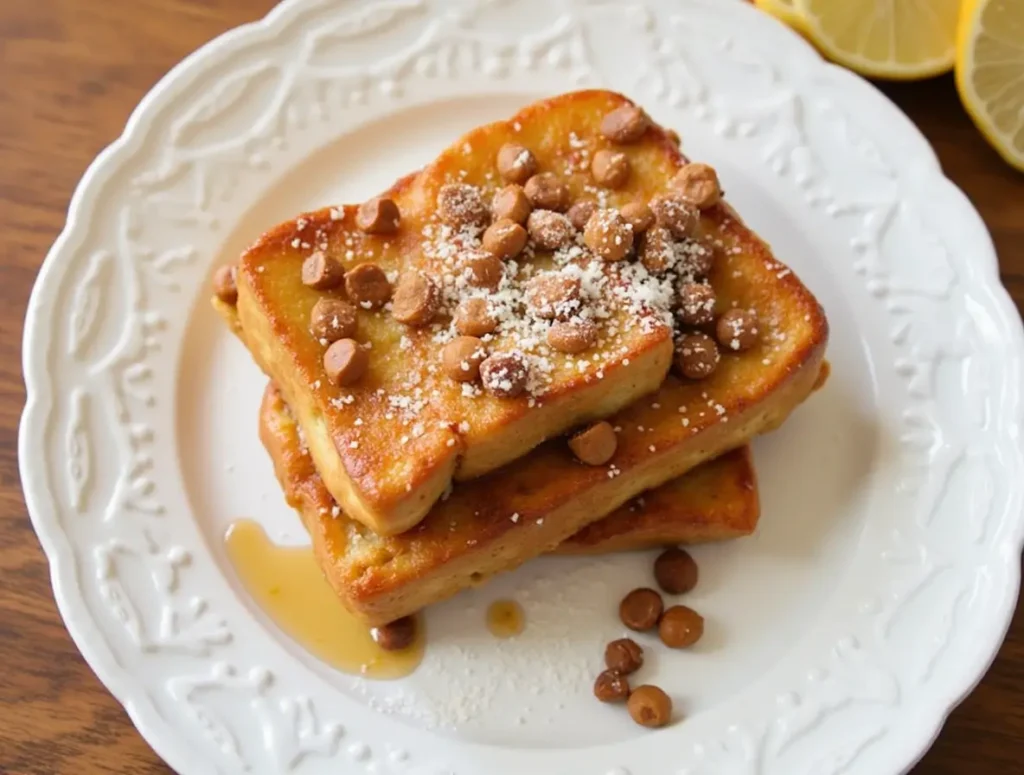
<point x="64" y="569"/>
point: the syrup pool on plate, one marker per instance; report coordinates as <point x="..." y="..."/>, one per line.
<point x="289" y="586"/>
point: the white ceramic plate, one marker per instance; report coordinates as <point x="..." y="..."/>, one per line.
<point x="886" y="568"/>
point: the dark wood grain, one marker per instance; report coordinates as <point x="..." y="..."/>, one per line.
<point x="70" y="73"/>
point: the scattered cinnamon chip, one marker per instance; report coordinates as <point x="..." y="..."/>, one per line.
<point x="482" y="269"/>
<point x="610" y="168"/>
<point x="626" y="124"/>
<point x="698" y="184"/>
<point x="737" y="330"/>
<point x="595" y="445"/>
<point x="580" y="213"/>
<point x="516" y="163"/>
<point x="552" y="295"/>
<point x="697" y="356"/>
<point x="224" y="285"/>
<point x="473" y="318"/>
<point x="367" y="286"/>
<point x="321" y="272"/>
<point x="378" y="216"/>
<point x="333" y="319"/>
<point x="504" y="375"/>
<point x="345" y="362"/>
<point x="657" y="249"/>
<point x="674" y="213"/>
<point x="572" y="336"/>
<point x="504" y="238"/>
<point x="511" y="202"/>
<point x="608" y="235"/>
<point x="639" y="216"/>
<point x="462" y="357"/>
<point x="417" y="299"/>
<point x="460" y="205"/>
<point x="696" y="304"/>
<point x="549" y="230"/>
<point x="546" y="191"/>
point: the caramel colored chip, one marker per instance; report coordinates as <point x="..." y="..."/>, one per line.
<point x="473" y="318"/>
<point x="700" y="257"/>
<point x="696" y="304"/>
<point x="675" y="214"/>
<point x="611" y="686"/>
<point x="697" y="356"/>
<point x="649" y="706"/>
<point x="551" y="295"/>
<point x="462" y="357"/>
<point x="512" y="203"/>
<point x="641" y="609"/>
<point x="322" y="272"/>
<point x="515" y="163"/>
<point x="625" y="124"/>
<point x="547" y="192"/>
<point x="224" y="286"/>
<point x="594" y="445"/>
<point x="680" y="627"/>
<point x="483" y="270"/>
<point x="397" y="635"/>
<point x="580" y="213"/>
<point x="698" y="184"/>
<point x="504" y="375"/>
<point x="624" y="656"/>
<point x="367" y="286"/>
<point x="504" y="238"/>
<point x="737" y="330"/>
<point x="549" y="230"/>
<point x="333" y="319"/>
<point x="345" y="362"/>
<point x="378" y="216"/>
<point x="608" y="235"/>
<point x="675" y="571"/>
<point x="639" y="216"/>
<point x="417" y="299"/>
<point x="460" y="205"/>
<point x="572" y="336"/>
<point x="657" y="250"/>
<point x="610" y="168"/>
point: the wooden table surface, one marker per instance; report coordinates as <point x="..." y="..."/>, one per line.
<point x="71" y="71"/>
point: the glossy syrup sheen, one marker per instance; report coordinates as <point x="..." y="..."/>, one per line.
<point x="289" y="586"/>
<point x="505" y="618"/>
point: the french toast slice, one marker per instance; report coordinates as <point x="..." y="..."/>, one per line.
<point x="717" y="500"/>
<point x="389" y="445"/>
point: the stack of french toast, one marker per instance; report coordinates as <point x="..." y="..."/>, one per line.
<point x="555" y="337"/>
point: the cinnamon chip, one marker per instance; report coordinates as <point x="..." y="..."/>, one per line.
<point x="322" y="272"/>
<point x="224" y="286"/>
<point x="608" y="235"/>
<point x="737" y="330"/>
<point x="367" y="286"/>
<point x="552" y="295"/>
<point x="639" y="216"/>
<point x="483" y="270"/>
<point x="657" y="250"/>
<point x="697" y="356"/>
<point x="580" y="213"/>
<point x="595" y="445"/>
<point x="504" y="375"/>
<point x="345" y="362"/>
<point x="549" y="230"/>
<point x="674" y="213"/>
<point x="572" y="336"/>
<point x="460" y="205"/>
<point x="515" y="163"/>
<point x="696" y="304"/>
<point x="417" y="299"/>
<point x="547" y="192"/>
<point x="378" y="216"/>
<point x="610" y="168"/>
<point x="698" y="184"/>
<point x="473" y="318"/>
<point x="511" y="202"/>
<point x="462" y="357"/>
<point x="625" y="124"/>
<point x="504" y="238"/>
<point x="333" y="319"/>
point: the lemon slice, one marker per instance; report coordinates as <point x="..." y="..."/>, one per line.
<point x="990" y="72"/>
<point x="783" y="10"/>
<point x="898" y="39"/>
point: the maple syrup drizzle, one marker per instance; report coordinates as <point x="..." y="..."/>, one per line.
<point x="505" y="618"/>
<point x="289" y="586"/>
